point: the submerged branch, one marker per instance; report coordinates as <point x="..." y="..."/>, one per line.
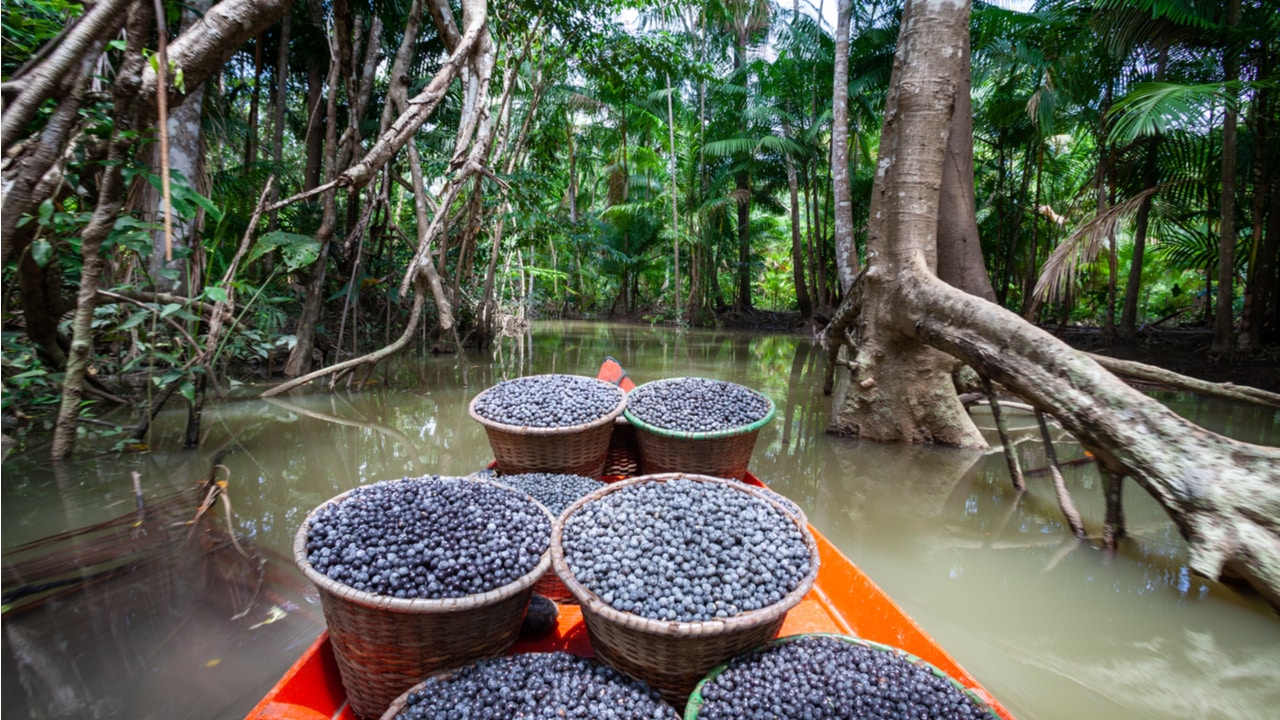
<point x="1131" y="370"/>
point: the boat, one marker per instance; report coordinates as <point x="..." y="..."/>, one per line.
<point x="843" y="600"/>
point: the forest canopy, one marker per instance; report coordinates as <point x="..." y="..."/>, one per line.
<point x="332" y="180"/>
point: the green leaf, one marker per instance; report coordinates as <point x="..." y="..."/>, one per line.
<point x="46" y="211"/>
<point x="188" y="390"/>
<point x="181" y="191"/>
<point x="215" y="294"/>
<point x="298" y="251"/>
<point x="169" y="309"/>
<point x="170" y="376"/>
<point x="41" y="252"/>
<point x="134" y="320"/>
<point x="38" y="372"/>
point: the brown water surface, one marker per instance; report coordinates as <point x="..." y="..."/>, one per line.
<point x="1051" y="626"/>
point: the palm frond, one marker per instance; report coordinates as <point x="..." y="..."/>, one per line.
<point x="1083" y="247"/>
<point x="729" y="147"/>
<point x="1152" y="108"/>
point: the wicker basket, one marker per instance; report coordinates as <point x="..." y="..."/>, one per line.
<point x="572" y="450"/>
<point x="623" y="459"/>
<point x="673" y="656"/>
<point x="719" y="453"/>
<point x="695" y="700"/>
<point x="384" y="645"/>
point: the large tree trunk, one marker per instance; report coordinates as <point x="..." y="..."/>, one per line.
<point x="900" y="389"/>
<point x="846" y="250"/>
<point x="1224" y="496"/>
<point x="960" y="261"/>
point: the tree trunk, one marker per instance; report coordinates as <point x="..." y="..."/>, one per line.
<point x="901" y="390"/>
<point x="1260" y="309"/>
<point x="110" y="199"/>
<point x="1267" y="286"/>
<point x="1105" y="163"/>
<point x="315" y="123"/>
<point x="278" y="108"/>
<point x="1223" y="495"/>
<point x="675" y="214"/>
<point x="846" y="249"/>
<point x="1128" y="330"/>
<point x="251" y="136"/>
<point x="299" y="362"/>
<point x="742" y="193"/>
<point x="43" y="307"/>
<point x="1223" y="325"/>
<point x="960" y="261"/>
<point x="797" y="245"/>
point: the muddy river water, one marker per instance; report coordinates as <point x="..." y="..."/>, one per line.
<point x="1051" y="626"/>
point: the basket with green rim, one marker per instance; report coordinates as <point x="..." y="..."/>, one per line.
<point x="696" y="701"/>
<point x="721" y="452"/>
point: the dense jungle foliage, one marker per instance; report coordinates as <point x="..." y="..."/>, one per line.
<point x="661" y="162"/>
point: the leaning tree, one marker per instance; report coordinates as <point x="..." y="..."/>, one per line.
<point x="906" y="330"/>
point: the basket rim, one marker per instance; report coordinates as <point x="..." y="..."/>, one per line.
<point x="415" y="605"/>
<point x="676" y="628"/>
<point x="560" y="430"/>
<point x="695" y="703"/>
<point x="703" y="435"/>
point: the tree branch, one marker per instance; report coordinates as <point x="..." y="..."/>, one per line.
<point x="203" y="48"/>
<point x="419" y="300"/>
<point x="1223" y="495"/>
<point x="1131" y="370"/>
<point x="103" y="20"/>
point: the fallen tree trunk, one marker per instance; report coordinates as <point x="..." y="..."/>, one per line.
<point x="1223" y="495"/>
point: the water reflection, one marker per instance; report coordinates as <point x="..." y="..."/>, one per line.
<point x="1049" y="624"/>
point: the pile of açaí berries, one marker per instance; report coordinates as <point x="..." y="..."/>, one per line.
<point x="680" y="550"/>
